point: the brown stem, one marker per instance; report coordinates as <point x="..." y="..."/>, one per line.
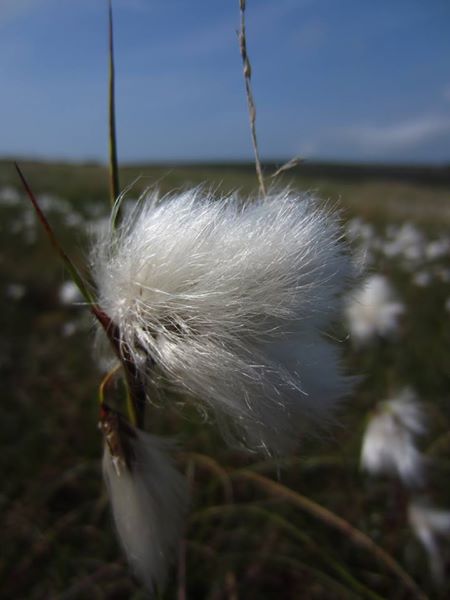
<point x="329" y="518"/>
<point x="133" y="377"/>
<point x="249" y="94"/>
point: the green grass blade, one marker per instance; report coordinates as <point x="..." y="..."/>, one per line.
<point x="113" y="163"/>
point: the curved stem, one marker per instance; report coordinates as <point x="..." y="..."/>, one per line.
<point x="356" y="536"/>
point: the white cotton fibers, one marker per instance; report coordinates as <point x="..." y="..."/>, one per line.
<point x="148" y="498"/>
<point x="226" y="301"/>
<point x="373" y="311"/>
<point x="429" y="524"/>
<point x="389" y="444"/>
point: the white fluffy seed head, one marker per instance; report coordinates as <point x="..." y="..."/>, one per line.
<point x="149" y="500"/>
<point x="373" y="311"/>
<point x="429" y="524"/>
<point x="230" y="299"/>
<point x="389" y="445"/>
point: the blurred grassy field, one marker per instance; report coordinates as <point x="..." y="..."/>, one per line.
<point x="241" y="541"/>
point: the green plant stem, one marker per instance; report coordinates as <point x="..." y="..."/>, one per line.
<point x="113" y="162"/>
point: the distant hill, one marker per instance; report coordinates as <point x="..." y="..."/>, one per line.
<point x="429" y="174"/>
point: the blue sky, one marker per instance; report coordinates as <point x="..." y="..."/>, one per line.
<point x="333" y="79"/>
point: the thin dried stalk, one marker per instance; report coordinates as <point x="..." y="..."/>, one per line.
<point x="214" y="467"/>
<point x="246" y="511"/>
<point x="290" y="164"/>
<point x="248" y="91"/>
<point x="356" y="536"/>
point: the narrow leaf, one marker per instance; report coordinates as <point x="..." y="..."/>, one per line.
<point x="113" y="163"/>
<point x="73" y="271"/>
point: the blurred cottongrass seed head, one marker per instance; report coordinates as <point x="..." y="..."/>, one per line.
<point x="389" y="444"/>
<point x="373" y="311"/>
<point x="430" y="525"/>
<point x="224" y="301"/>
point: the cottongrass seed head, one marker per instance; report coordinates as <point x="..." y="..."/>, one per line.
<point x="148" y="497"/>
<point x="226" y="301"/>
<point x="373" y="311"/>
<point x="389" y="444"/>
<point x="431" y="525"/>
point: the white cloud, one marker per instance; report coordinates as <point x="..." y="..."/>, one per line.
<point x="401" y="134"/>
<point x="423" y="138"/>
